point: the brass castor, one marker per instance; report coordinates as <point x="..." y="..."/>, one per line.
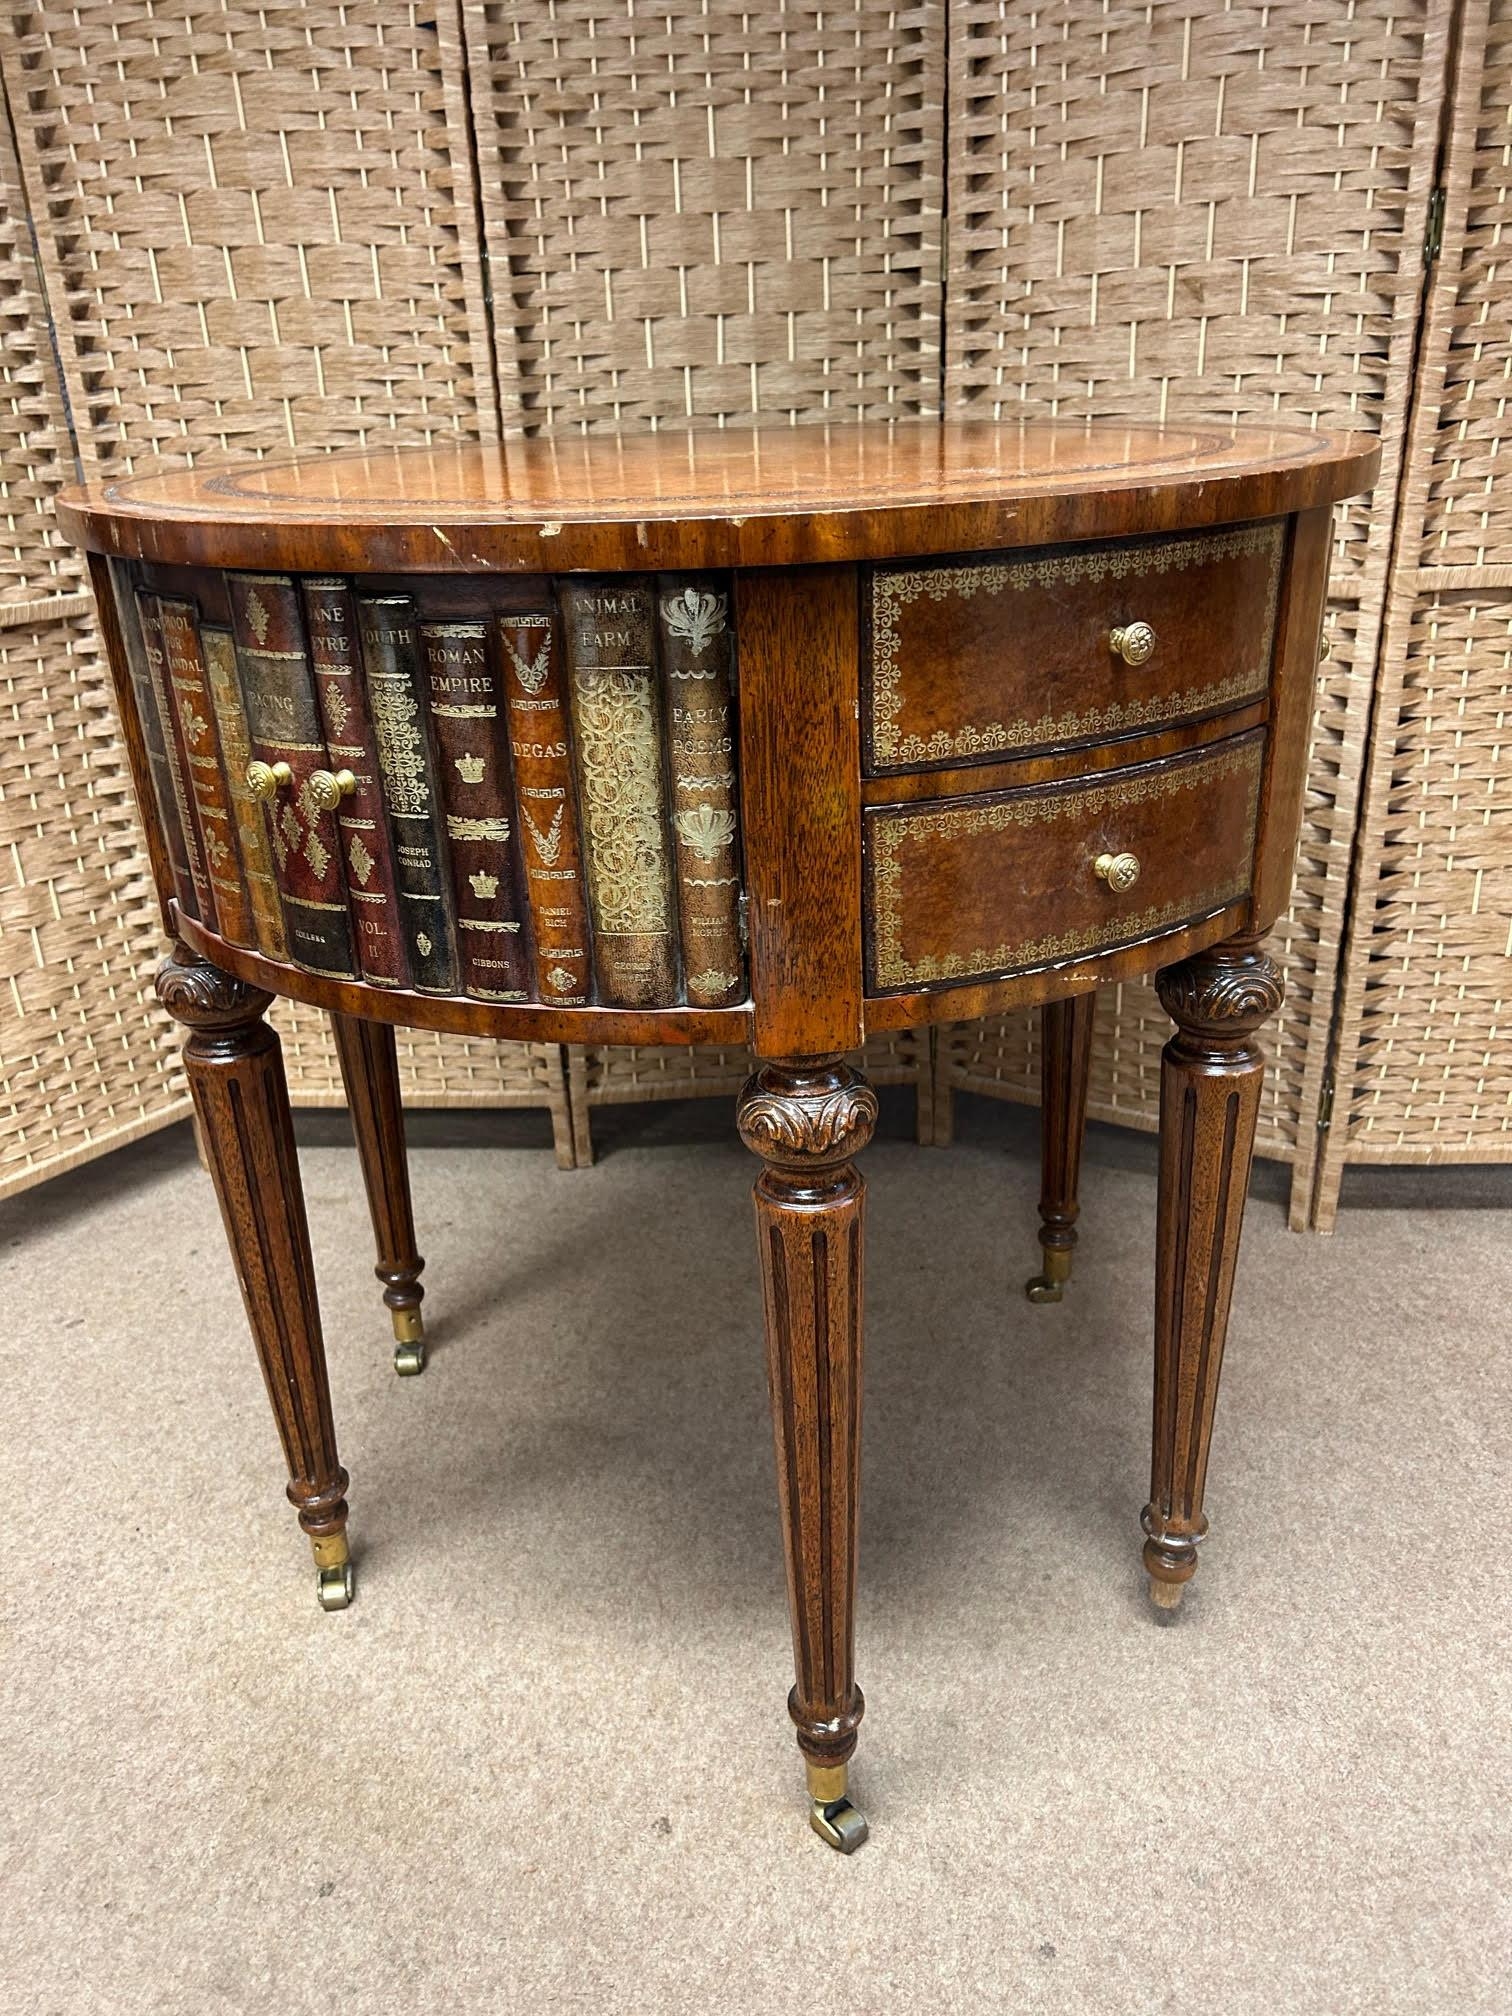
<point x="409" y="1342"/>
<point x="1166" y="1595"/>
<point x="1051" y="1284"/>
<point x="831" y="1815"/>
<point x="335" y="1587"/>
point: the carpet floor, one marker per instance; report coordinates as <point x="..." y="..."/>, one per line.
<point x="543" y="1763"/>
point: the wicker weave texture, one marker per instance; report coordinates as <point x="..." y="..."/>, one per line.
<point x="257" y="232"/>
<point x="253" y="224"/>
<point x="1212" y="210"/>
<point x="1426" y="1002"/>
<point x="710" y="213"/>
<point x="83" y="1061"/>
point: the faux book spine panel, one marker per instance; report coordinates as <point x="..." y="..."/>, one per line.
<point x="252" y="843"/>
<point x="361" y="818"/>
<point x="391" y="663"/>
<point x="283" y="722"/>
<point x="697" y="648"/>
<point x="151" y="631"/>
<point x="617" y="729"/>
<point x="472" y="750"/>
<point x="550" y="848"/>
<point x="162" y="757"/>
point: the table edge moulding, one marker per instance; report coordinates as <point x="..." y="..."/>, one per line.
<point x="776" y="738"/>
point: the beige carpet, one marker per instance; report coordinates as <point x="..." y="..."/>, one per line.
<point x="543" y="1764"/>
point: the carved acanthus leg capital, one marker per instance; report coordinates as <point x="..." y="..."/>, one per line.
<point x="1211" y="1075"/>
<point x="207" y="1001"/>
<point x="1219" y="998"/>
<point x="806" y="1118"/>
<point x="236" y="1077"/>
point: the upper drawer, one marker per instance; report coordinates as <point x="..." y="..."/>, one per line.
<point x="971" y="660"/>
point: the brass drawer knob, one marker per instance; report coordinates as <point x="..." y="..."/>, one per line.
<point x="1119" y="871"/>
<point x="1133" y="642"/>
<point x="329" y="787"/>
<point x="266" y="780"/>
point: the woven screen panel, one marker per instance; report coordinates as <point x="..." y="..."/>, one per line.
<point x="720" y="213"/>
<point x="1207" y="211"/>
<point x="1426" y="1001"/>
<point x="86" y="1061"/>
<point x="1468" y="506"/>
<point x="257" y="228"/>
<point x="1429" y="1078"/>
<point x="255" y="225"/>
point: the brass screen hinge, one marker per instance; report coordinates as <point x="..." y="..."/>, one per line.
<point x="1326" y="1102"/>
<point x="1433" y="235"/>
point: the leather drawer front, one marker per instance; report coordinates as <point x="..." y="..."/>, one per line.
<point x="967" y="661"/>
<point x="1002" y="882"/>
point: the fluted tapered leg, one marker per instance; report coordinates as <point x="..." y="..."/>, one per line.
<point x="236" y="1076"/>
<point x="1065" y="1063"/>
<point x="1211" y="1073"/>
<point x="806" y="1118"/>
<point x="370" y="1073"/>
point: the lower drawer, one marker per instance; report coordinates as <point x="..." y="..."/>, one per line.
<point x="1001" y="882"/>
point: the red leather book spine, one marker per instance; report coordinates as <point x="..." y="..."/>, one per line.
<point x="550" y="850"/>
<point x="459" y="664"/>
<point x="362" y="817"/>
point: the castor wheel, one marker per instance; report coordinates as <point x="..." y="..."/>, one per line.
<point x="1050" y="1284"/>
<point x="840" y="1824"/>
<point x="831" y="1815"/>
<point x="409" y="1342"/>
<point x="335" y="1587"/>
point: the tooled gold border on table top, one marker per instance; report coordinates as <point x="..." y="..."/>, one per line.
<point x="889" y="831"/>
<point x="892" y="590"/>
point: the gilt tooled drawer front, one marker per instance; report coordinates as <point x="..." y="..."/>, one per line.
<point x="1005" y="881"/>
<point x="967" y="661"/>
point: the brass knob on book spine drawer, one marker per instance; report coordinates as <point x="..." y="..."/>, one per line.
<point x="1119" y="871"/>
<point x="266" y="780"/>
<point x="1133" y="642"/>
<point x="329" y="787"/>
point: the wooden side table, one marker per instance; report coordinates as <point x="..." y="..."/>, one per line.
<point x="1023" y="709"/>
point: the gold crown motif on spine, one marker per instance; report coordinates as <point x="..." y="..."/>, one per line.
<point x="484" y="885"/>
<point x="471" y="768"/>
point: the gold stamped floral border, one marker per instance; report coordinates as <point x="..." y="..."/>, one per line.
<point x="893" y="589"/>
<point x="890" y="832"/>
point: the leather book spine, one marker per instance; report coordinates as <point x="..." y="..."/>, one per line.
<point x="283" y="721"/>
<point x="189" y="690"/>
<point x="362" y="819"/>
<point x="401" y="736"/>
<point x="253" y="847"/>
<point x="614" y="696"/>
<point x="467" y="716"/>
<point x="162" y="757"/>
<point x="157" y="665"/>
<point x="697" y="650"/>
<point x="550" y="851"/>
